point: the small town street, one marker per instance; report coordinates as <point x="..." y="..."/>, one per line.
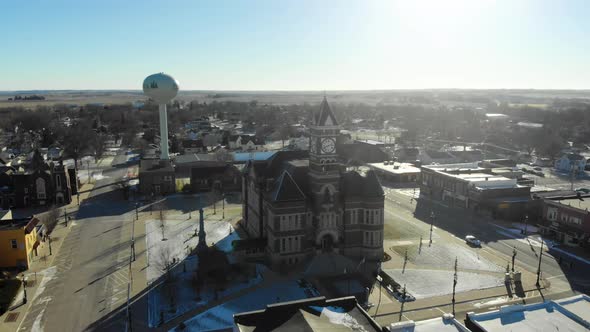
<point x="89" y="275"/>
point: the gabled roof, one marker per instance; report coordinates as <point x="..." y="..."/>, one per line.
<point x="325" y="117"/>
<point x="364" y="186"/>
<point x="286" y="189"/>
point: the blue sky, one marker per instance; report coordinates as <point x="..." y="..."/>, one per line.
<point x="296" y="45"/>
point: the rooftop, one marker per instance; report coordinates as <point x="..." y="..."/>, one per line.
<point x="12" y="224"/>
<point x="395" y="168"/>
<point x="442" y="324"/>
<point x="571" y="314"/>
<point x="582" y="203"/>
<point x="155" y="165"/>
<point x="315" y="314"/>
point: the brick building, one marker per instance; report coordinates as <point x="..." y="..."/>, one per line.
<point x="304" y="205"/>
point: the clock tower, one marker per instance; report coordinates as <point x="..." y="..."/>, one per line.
<point x="324" y="177"/>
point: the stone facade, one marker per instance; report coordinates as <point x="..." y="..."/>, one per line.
<point x="305" y="205"/>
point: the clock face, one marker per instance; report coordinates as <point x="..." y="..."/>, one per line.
<point x="328" y="145"/>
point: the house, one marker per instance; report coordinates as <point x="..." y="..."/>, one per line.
<point x="54" y="153"/>
<point x="156" y="177"/>
<point x="216" y="176"/>
<point x="567" y="219"/>
<point x="306" y="206"/>
<point x="18" y="242"/>
<point x="313" y="314"/>
<point x="37" y="183"/>
<point x="245" y="142"/>
<point x="190" y="146"/>
<point x="569" y="162"/>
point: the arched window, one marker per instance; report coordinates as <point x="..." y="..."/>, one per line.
<point x="327" y="196"/>
<point x="40" y="186"/>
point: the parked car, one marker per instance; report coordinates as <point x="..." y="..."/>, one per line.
<point x="472" y="240"/>
<point x="583" y="190"/>
<point x="537" y="168"/>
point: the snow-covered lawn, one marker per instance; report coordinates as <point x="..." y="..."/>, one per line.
<point x="170" y="300"/>
<point x="180" y="234"/>
<point x="429" y="283"/>
<point x="221" y="316"/>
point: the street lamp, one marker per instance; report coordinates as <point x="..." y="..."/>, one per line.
<point x="432" y="216"/>
<point x="538" y="284"/>
<point x="526" y="223"/>
<point x="454" y="285"/>
<point x="223" y="206"/>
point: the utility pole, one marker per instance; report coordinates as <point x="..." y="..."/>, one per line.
<point x="133" y="233"/>
<point x="513" y="257"/>
<point x="24" y="289"/>
<point x="78" y="196"/>
<point x="538" y="284"/>
<point x="526" y="224"/>
<point x="129" y="325"/>
<point x="88" y="169"/>
<point x="223" y="207"/>
<point x="454" y="285"/>
<point x="49" y="239"/>
<point x="66" y="217"/>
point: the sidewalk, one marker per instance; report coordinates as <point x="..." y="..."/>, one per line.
<point x="41" y="265"/>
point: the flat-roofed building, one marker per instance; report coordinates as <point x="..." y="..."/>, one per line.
<point x="570" y="314"/>
<point x="396" y="172"/>
<point x="567" y="219"/>
<point x="468" y="185"/>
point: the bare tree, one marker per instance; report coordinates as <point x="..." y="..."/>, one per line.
<point x="98" y="147"/>
<point x="162" y="219"/>
<point x="164" y="261"/>
<point x="50" y="219"/>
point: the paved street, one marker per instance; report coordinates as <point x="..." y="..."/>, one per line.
<point x="411" y="221"/>
<point x="89" y="277"/>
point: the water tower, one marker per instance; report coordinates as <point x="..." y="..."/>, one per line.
<point x="161" y="88"/>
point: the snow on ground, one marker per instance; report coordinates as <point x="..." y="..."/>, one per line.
<point x="170" y="300"/>
<point x="496" y="301"/>
<point x="443" y="256"/>
<point x="221" y="316"/>
<point x="429" y="283"/>
<point x="180" y="234"/>
<point x="529" y="240"/>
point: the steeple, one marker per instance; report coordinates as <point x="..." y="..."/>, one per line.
<point x="325" y="117"/>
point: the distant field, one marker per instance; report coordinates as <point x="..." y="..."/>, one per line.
<point x="453" y="97"/>
<point x="74" y="98"/>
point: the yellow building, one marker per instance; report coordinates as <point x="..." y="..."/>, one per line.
<point x="18" y="242"/>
